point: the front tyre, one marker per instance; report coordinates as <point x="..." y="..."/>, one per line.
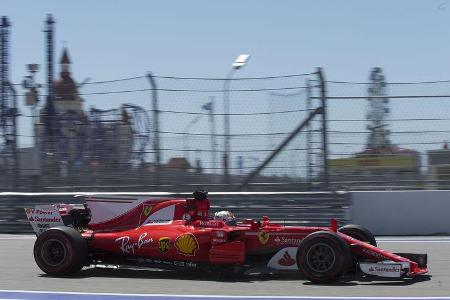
<point x="60" y="251"/>
<point x="358" y="232"/>
<point x="323" y="257"/>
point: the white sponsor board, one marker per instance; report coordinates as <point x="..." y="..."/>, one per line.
<point x="43" y="217"/>
<point x="285" y="259"/>
<point x="382" y="269"/>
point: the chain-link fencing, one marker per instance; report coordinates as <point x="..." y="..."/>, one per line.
<point x="159" y="132"/>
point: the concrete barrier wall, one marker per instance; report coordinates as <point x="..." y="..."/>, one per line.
<point x="288" y="208"/>
<point x="402" y="212"/>
<point x="382" y="212"/>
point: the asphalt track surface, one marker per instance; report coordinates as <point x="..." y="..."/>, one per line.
<point x="18" y="271"/>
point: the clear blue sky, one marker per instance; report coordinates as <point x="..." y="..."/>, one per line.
<point x="110" y="39"/>
<point x="410" y="40"/>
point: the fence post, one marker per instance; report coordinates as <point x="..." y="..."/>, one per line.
<point x="14" y="113"/>
<point x="156" y="141"/>
<point x="323" y="100"/>
<point x="308" y="137"/>
<point x="212" y="123"/>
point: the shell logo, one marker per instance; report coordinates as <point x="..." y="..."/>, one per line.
<point x="186" y="244"/>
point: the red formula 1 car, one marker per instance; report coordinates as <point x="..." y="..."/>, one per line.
<point x="178" y="233"/>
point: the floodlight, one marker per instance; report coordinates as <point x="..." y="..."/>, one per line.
<point x="241" y="60"/>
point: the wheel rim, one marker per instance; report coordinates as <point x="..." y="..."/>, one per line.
<point x="320" y="257"/>
<point x="53" y="252"/>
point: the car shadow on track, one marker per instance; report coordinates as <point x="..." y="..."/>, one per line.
<point x="218" y="277"/>
<point x="374" y="281"/>
<point x="395" y="281"/>
<point x="179" y="275"/>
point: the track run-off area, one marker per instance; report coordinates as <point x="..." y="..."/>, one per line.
<point x="20" y="278"/>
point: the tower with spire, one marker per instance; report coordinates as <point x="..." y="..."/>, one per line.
<point x="82" y="138"/>
<point x="67" y="99"/>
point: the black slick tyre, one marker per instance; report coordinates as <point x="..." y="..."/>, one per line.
<point x="60" y="251"/>
<point x="358" y="232"/>
<point x="323" y="257"/>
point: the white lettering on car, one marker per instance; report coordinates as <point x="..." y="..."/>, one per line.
<point x="214" y="224"/>
<point x="127" y="247"/>
<point x="388" y="269"/>
<point x="283" y="240"/>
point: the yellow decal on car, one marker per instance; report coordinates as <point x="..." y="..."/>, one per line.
<point x="147" y="209"/>
<point x="186" y="244"/>
<point x="263" y="237"/>
<point x="164" y="244"/>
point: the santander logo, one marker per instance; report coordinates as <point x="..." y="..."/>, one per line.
<point x="286" y="260"/>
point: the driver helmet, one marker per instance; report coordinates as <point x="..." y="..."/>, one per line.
<point x="225" y="216"/>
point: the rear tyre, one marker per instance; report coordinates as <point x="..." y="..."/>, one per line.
<point x="358" y="232"/>
<point x="323" y="257"/>
<point x="60" y="251"/>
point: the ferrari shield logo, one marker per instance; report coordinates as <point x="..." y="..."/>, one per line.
<point x="164" y="244"/>
<point x="147" y="210"/>
<point x="263" y="237"/>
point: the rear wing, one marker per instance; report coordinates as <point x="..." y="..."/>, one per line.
<point x="43" y="217"/>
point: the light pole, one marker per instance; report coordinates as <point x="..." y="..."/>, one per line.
<point x="156" y="140"/>
<point x="240" y="62"/>
<point x="32" y="95"/>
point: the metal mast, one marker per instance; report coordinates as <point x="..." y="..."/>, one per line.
<point x="50" y="106"/>
<point x="8" y="106"/>
<point x="378" y="111"/>
<point x="4" y="79"/>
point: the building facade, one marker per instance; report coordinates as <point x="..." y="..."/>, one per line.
<point x="72" y="139"/>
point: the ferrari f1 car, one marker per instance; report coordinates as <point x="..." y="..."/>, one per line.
<point x="179" y="234"/>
